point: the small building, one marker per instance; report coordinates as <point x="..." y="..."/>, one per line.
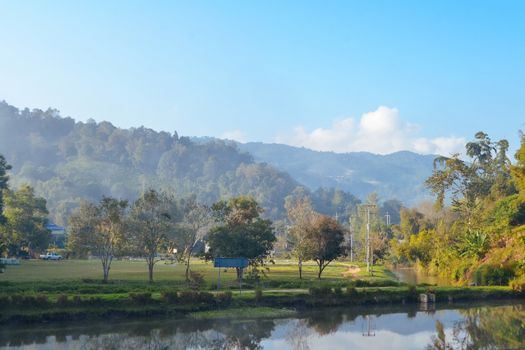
<point x="58" y="234"/>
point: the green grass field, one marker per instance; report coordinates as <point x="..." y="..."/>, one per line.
<point x="38" y="291"/>
<point x="124" y="270"/>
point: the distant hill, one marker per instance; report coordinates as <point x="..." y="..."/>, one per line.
<point x="66" y="161"/>
<point x="398" y="175"/>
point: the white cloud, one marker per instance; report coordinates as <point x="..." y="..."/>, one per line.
<point x="381" y="131"/>
<point x="235" y="135"/>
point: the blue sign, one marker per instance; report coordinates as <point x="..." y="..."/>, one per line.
<point x="230" y="262"/>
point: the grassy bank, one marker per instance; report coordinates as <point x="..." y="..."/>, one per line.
<point x="71" y="290"/>
<point x="59" y="307"/>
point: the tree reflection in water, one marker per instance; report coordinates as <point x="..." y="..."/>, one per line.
<point x="492" y="327"/>
<point x="484" y="328"/>
<point x="298" y="335"/>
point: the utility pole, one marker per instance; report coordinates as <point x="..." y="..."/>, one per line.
<point x="369" y="332"/>
<point x="351" y="240"/>
<point x="368" y="239"/>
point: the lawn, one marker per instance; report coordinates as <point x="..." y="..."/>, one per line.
<point x="284" y="271"/>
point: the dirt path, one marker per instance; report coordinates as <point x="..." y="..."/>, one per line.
<point x="353" y="271"/>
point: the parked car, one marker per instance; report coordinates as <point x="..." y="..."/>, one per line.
<point x="50" y="256"/>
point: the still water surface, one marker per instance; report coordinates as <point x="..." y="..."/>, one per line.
<point x="472" y="326"/>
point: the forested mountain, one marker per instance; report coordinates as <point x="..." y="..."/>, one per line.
<point x="66" y="161"/>
<point x="398" y="175"/>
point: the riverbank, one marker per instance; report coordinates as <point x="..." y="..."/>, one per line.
<point x="50" y="307"/>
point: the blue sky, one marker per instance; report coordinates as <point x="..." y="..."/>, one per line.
<point x="330" y="75"/>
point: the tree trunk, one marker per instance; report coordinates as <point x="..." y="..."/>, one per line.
<point x="151" y="263"/>
<point x="106" y="264"/>
<point x="188" y="268"/>
<point x="238" y="270"/>
<point x="300" y="265"/>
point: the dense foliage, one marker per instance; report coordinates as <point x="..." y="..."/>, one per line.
<point x="480" y="237"/>
<point x="241" y="232"/>
<point x="24" y="231"/>
<point x="66" y="161"/>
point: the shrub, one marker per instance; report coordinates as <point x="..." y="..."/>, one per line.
<point x="169" y="297"/>
<point x="258" y="294"/>
<point x="41" y="299"/>
<point x="224" y="297"/>
<point x="196" y="280"/>
<point x="320" y="292"/>
<point x="188" y="296"/>
<point x="338" y="292"/>
<point x="62" y="299"/>
<point x="95" y="301"/>
<point x="77" y="300"/>
<point x="17" y="299"/>
<point x="205" y="297"/>
<point x="490" y="275"/>
<point x="518" y="284"/>
<point x="140" y="298"/>
<point x="412" y="291"/>
<point x="4" y="300"/>
<point x="351" y="292"/>
<point x="191" y="296"/>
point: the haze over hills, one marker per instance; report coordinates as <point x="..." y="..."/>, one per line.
<point x="398" y="175"/>
<point x="67" y="161"/>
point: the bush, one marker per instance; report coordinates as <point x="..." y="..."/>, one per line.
<point x="338" y="292"/>
<point x="4" y="300"/>
<point x="140" y="298"/>
<point x="191" y="296"/>
<point x="518" y="284"/>
<point x="169" y="297"/>
<point x="41" y="299"/>
<point x="17" y="299"/>
<point x="196" y="280"/>
<point x="258" y="294"/>
<point x="224" y="298"/>
<point x="95" y="301"/>
<point x="62" y="299"/>
<point x="320" y="292"/>
<point x="206" y="297"/>
<point x="77" y="300"/>
<point x="351" y="292"/>
<point x="412" y="291"/>
<point x="188" y="296"/>
<point x="490" y="275"/>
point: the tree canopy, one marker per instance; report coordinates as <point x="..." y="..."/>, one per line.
<point x="240" y="231"/>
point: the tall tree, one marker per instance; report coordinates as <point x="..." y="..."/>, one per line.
<point x="4" y="167"/>
<point x="241" y="232"/>
<point x="195" y="223"/>
<point x="26" y="216"/>
<point x="518" y="170"/>
<point x="99" y="230"/>
<point x="301" y="216"/>
<point x="324" y="242"/>
<point x="151" y="221"/>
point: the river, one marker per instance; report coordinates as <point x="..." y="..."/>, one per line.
<point x="461" y="326"/>
<point x="411" y="276"/>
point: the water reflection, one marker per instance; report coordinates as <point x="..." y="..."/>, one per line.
<point x="463" y="327"/>
<point x="412" y="276"/>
